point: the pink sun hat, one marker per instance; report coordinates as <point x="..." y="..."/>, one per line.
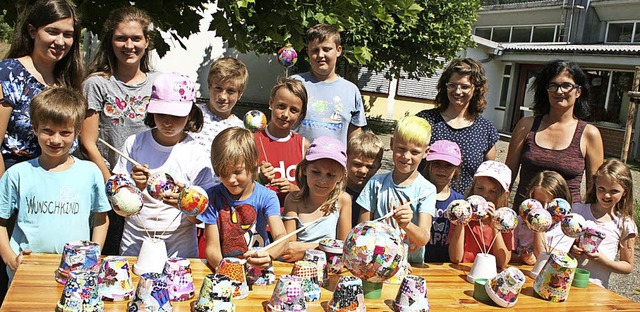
<point x="172" y="94"/>
<point x="445" y="150"/>
<point x="324" y="147"/>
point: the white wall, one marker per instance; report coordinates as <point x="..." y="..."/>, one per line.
<point x="205" y="47"/>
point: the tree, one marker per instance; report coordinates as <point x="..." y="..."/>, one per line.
<point x="410" y="37"/>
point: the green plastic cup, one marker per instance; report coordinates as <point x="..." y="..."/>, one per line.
<point x="581" y="278"/>
<point x="479" y="291"/>
<point x="372" y="290"/>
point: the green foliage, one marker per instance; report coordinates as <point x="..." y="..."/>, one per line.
<point x="6" y="31"/>
<point x="407" y="35"/>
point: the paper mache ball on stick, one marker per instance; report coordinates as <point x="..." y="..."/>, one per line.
<point x="255" y="120"/>
<point x="125" y="198"/>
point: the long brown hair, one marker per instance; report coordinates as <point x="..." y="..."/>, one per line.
<point x="68" y="71"/>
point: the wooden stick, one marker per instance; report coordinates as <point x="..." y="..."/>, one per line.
<point x="284" y="238"/>
<point x="474" y="236"/>
<point x="120" y="153"/>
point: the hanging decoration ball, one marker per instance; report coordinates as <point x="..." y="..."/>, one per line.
<point x="287" y="56"/>
<point x="193" y="200"/>
<point x="255" y="120"/>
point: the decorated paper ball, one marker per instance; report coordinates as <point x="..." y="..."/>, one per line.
<point x="539" y="220"/>
<point x="287" y="56"/>
<point x="505" y="219"/>
<point x="160" y="184"/>
<point x="193" y="200"/>
<point x="255" y="120"/>
<point x="127" y="201"/>
<point x="528" y="205"/>
<point x="573" y="225"/>
<point x="479" y="207"/>
<point x="373" y="251"/>
<point x="458" y="212"/>
<point x="115" y="182"/>
<point x="558" y="208"/>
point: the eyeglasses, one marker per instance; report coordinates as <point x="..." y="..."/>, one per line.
<point x="564" y="87"/>
<point x="454" y="86"/>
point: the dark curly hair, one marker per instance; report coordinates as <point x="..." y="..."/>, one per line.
<point x="552" y="69"/>
<point x="464" y="67"/>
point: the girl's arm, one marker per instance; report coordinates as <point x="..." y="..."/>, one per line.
<point x="344" y="220"/>
<point x="101" y="225"/>
<point x="89" y="139"/>
<point x="500" y="251"/>
<point x="622" y="266"/>
<point x="456" y="243"/>
<point x="5" y="115"/>
<point x="291" y="213"/>
<point x="593" y="151"/>
<point x="515" y="146"/>
<point x="294" y="250"/>
<point x="212" y="250"/>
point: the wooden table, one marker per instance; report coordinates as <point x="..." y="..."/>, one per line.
<point x="35" y="289"/>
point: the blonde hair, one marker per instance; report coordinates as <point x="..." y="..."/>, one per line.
<point x="503" y="197"/>
<point x="413" y="129"/>
<point x="232" y="147"/>
<point x="301" y="180"/>
<point x="553" y="183"/>
<point x="58" y="105"/>
<point x="231" y="70"/>
<point x="619" y="172"/>
<point x="365" y="144"/>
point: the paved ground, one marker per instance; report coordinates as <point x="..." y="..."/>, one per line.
<point x="626" y="285"/>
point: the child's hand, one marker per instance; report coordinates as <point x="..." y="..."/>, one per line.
<point x="259" y="259"/>
<point x="293" y="252"/>
<point x="403" y="215"/>
<point x="13" y="265"/>
<point x="171" y="198"/>
<point x="284" y="185"/>
<point x="140" y="174"/>
<point x="267" y="172"/>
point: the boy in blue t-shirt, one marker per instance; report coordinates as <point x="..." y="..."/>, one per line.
<point x="54" y="194"/>
<point x="239" y="208"/>
<point x="395" y="189"/>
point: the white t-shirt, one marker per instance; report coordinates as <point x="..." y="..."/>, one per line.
<point x="187" y="163"/>
<point x="616" y="230"/>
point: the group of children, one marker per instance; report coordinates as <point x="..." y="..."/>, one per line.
<point x="266" y="184"/>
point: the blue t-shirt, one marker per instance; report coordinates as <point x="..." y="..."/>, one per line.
<point x="381" y="190"/>
<point x="332" y="106"/>
<point x="241" y="223"/>
<point x="53" y="207"/>
<point x="437" y="250"/>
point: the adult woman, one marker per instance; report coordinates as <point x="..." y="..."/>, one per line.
<point x="118" y="91"/>
<point x="460" y="101"/>
<point x="45" y="52"/>
<point x="556" y="138"/>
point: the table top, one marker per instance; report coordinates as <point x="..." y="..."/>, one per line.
<point x="35" y="289"/>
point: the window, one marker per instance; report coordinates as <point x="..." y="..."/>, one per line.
<point x="543" y="34"/>
<point x="623" y="32"/>
<point x="521" y="34"/>
<point x="484" y="32"/>
<point x="609" y="101"/>
<point x="539" y="33"/>
<point x="504" y="89"/>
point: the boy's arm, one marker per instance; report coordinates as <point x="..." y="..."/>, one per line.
<point x="456" y="243"/>
<point x="344" y="220"/>
<point x="353" y="131"/>
<point x="212" y="249"/>
<point x="277" y="231"/>
<point x="101" y="225"/>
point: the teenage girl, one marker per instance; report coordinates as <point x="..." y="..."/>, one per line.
<point x="609" y="209"/>
<point x="117" y="90"/>
<point x="166" y="148"/>
<point x="280" y="148"/>
<point x="321" y="177"/>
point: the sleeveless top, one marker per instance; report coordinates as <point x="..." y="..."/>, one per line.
<point x="569" y="162"/>
<point x="326" y="228"/>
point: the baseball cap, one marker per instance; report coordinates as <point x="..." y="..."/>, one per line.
<point x="496" y="170"/>
<point x="327" y="147"/>
<point x="445" y="150"/>
<point x="172" y="94"/>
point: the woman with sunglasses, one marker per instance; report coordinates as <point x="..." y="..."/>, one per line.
<point x="556" y="138"/>
<point x="457" y="117"/>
